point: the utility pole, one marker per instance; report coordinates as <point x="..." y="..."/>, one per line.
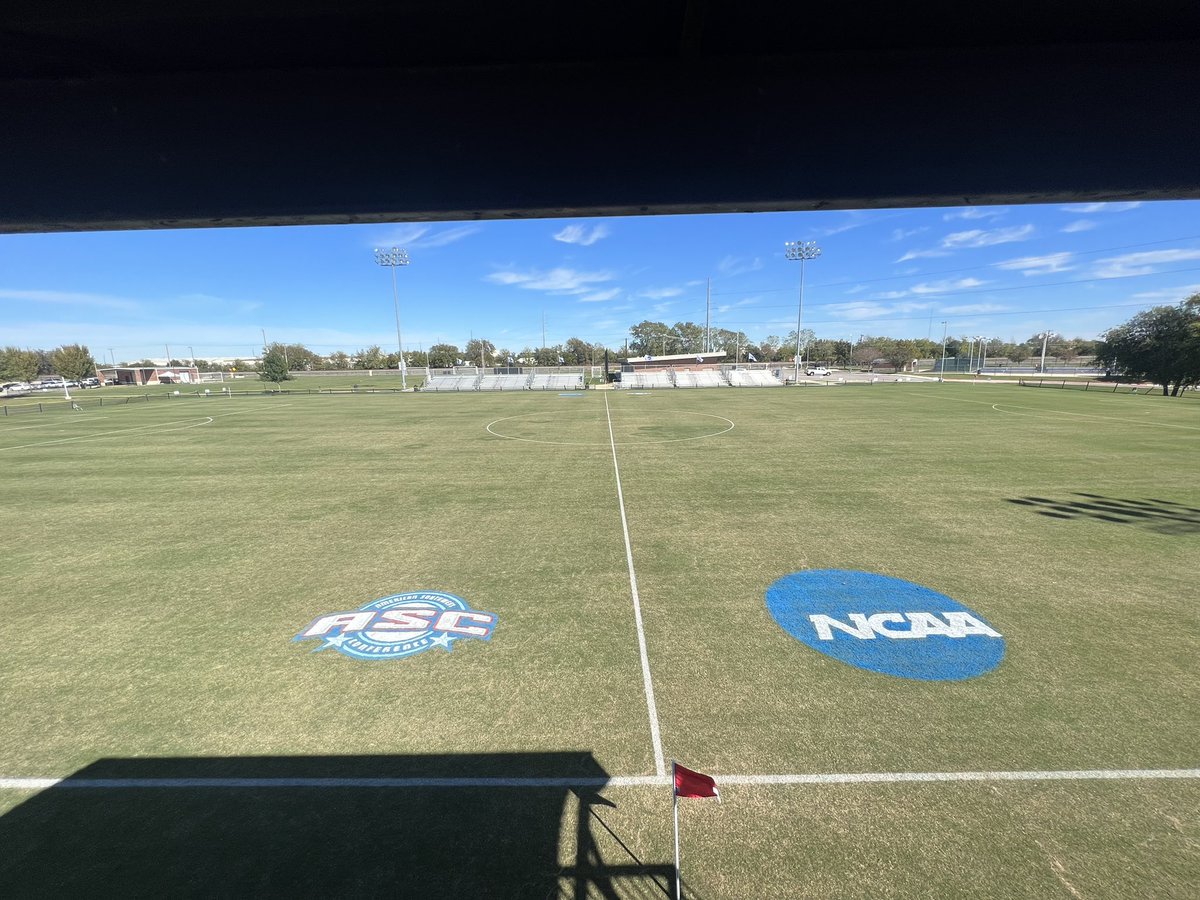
<point x="1045" y="337"/>
<point x="942" y="373"/>
<point x="708" y="317"/>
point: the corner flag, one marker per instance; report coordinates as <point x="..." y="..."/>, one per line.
<point x="694" y="784"/>
<point x="688" y="783"/>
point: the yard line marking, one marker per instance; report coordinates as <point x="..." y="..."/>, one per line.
<point x="33" y="784"/>
<point x="660" y="766"/>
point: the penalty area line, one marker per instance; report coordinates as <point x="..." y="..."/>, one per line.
<point x="660" y="765"/>
<point x="35" y="784"/>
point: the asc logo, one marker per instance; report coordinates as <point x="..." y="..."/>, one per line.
<point x="885" y="625"/>
<point x="400" y="625"/>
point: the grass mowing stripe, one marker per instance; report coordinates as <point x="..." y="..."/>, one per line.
<point x="660" y="766"/>
<point x="615" y="781"/>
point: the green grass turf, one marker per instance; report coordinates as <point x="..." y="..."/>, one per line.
<point x="157" y="565"/>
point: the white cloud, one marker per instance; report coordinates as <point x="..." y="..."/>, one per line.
<point x="1038" y="265"/>
<point x="967" y="309"/>
<point x="930" y="287"/>
<point x="899" y="234"/>
<point x="414" y="236"/>
<point x="949" y="284"/>
<point x="661" y="307"/>
<point x="71" y="298"/>
<point x="1078" y="225"/>
<point x="1141" y="263"/>
<point x="859" y="310"/>
<point x="922" y="254"/>
<point x="580" y="234"/>
<point x="1089" y="208"/>
<point x="1170" y="295"/>
<point x="556" y="281"/>
<point x="973" y="212"/>
<point x="600" y="296"/>
<point x="978" y="238"/>
<point x="739" y="265"/>
<point x="660" y="293"/>
<point x="747" y="301"/>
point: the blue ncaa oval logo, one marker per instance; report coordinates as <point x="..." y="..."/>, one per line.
<point x="885" y="625"/>
<point x="400" y="625"/>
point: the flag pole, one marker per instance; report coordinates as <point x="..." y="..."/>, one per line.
<point x="675" y="798"/>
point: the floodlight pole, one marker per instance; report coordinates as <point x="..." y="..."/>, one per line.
<point x="393" y="258"/>
<point x="1045" y="337"/>
<point x="803" y="251"/>
<point x="983" y="356"/>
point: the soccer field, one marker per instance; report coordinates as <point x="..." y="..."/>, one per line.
<point x="163" y="732"/>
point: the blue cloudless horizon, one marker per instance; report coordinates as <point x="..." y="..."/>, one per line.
<point x="1000" y="272"/>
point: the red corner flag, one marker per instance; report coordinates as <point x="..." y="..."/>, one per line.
<point x="694" y="784"/>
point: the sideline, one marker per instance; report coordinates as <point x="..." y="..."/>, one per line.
<point x="660" y="766"/>
<point x="660" y="780"/>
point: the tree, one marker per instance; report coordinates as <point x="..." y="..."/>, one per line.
<point x="1160" y="345"/>
<point x="807" y="336"/>
<point x="338" y="360"/>
<point x="370" y="358"/>
<point x="444" y="356"/>
<point x="18" y="365"/>
<point x="865" y="355"/>
<point x="900" y="353"/>
<point x="477" y="348"/>
<point x="689" y="337"/>
<point x="652" y="339"/>
<point x="272" y="366"/>
<point x="74" y="362"/>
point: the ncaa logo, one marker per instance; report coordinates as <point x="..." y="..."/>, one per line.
<point x="400" y="625"/>
<point x="885" y="625"/>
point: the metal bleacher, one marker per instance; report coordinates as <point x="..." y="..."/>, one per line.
<point x="503" y="382"/>
<point x="556" y="382"/>
<point x="452" y="383"/>
<point x="646" y="380"/>
<point x="753" y="378"/>
<point x="704" y="379"/>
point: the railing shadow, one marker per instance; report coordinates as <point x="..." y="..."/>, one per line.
<point x="1160" y="516"/>
<point x="436" y="826"/>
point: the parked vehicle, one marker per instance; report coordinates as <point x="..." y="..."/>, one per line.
<point x="816" y="370"/>
<point x="15" y="389"/>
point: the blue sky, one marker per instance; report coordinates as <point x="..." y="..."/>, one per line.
<point x="1004" y="272"/>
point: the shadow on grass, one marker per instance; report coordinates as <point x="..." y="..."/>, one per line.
<point x="1159" y="516"/>
<point x="324" y="827"/>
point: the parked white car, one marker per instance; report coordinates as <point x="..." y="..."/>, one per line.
<point x="816" y="370"/>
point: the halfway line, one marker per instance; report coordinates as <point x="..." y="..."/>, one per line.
<point x="660" y="766"/>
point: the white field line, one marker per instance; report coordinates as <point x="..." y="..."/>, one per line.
<point x="1054" y="414"/>
<point x="660" y="766"/>
<point x="182" y="423"/>
<point x="34" y="784"/>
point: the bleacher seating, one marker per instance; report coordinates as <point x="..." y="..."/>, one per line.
<point x="556" y="382"/>
<point x="703" y="379"/>
<point x="753" y="378"/>
<point x="503" y="382"/>
<point x="640" y="380"/>
<point x="452" y="383"/>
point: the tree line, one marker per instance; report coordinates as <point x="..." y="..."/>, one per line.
<point x="1160" y="345"/>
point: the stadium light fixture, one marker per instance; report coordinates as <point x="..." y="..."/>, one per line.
<point x="802" y="251"/>
<point x="392" y="259"/>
